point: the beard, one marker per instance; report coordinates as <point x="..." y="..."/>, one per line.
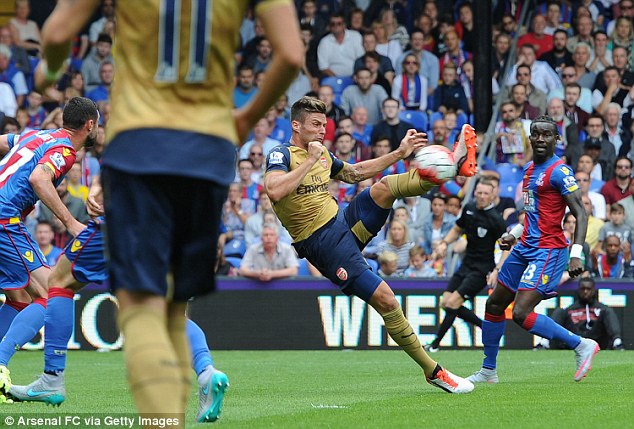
<point x="557" y="118"/>
<point x="90" y="142"/>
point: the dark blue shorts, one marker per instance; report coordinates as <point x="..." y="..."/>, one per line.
<point x="159" y="225"/>
<point x="335" y="248"/>
<point x="19" y="255"/>
<point x="86" y="254"/>
<point x="534" y="268"/>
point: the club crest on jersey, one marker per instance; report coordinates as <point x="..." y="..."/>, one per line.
<point x="482" y="232"/>
<point x="324" y="163"/>
<point x="342" y="274"/>
<point x="58" y="160"/>
<point x="540" y="179"/>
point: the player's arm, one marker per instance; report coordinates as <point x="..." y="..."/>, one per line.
<point x="282" y="30"/>
<point x="278" y="184"/>
<point x="354" y="173"/>
<point x="41" y="181"/>
<point x="94" y="203"/>
<point x="4" y="144"/>
<point x="573" y="199"/>
<point x="64" y="23"/>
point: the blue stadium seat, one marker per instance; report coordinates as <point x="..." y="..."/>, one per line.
<point x="433" y="118"/>
<point x="234" y="260"/>
<point x="338" y="84"/>
<point x="30" y="78"/>
<point x="596" y="185"/>
<point x="374" y="265"/>
<point x="510" y="176"/>
<point x="235" y="247"/>
<point x="461" y="119"/>
<point x="303" y="270"/>
<point x="415" y="117"/>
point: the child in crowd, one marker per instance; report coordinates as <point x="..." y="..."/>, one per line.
<point x="419" y="266"/>
<point x="615" y="226"/>
<point x="388" y="264"/>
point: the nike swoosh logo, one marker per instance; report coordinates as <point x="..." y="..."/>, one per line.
<point x="206" y="390"/>
<point x="405" y="336"/>
<point x="32" y="393"/>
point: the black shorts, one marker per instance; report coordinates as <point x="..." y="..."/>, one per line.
<point x="468" y="281"/>
<point x="159" y="225"/>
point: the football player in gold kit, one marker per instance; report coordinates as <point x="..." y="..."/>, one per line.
<point x="170" y="157"/>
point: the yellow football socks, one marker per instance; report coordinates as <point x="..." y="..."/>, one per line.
<point x="178" y="335"/>
<point x="401" y="331"/>
<point x="154" y="375"/>
<point x="408" y="184"/>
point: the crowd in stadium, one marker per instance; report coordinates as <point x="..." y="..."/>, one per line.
<point x="382" y="67"/>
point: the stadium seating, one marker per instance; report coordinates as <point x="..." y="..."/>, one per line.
<point x="374" y="265"/>
<point x="234" y="260"/>
<point x="416" y="118"/>
<point x="235" y="247"/>
<point x="433" y="117"/>
<point x="338" y="84"/>
<point x="510" y="176"/>
<point x="303" y="268"/>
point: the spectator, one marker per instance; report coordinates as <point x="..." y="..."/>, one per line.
<point x="73" y="180"/>
<point x="362" y="151"/>
<point x="598" y="202"/>
<point x="537" y="37"/>
<point x="44" y="236"/>
<point x="503" y="205"/>
<point x="554" y="20"/>
<point x="511" y="134"/>
<point x="223" y="267"/>
<point x="616" y="262"/>
<point x="500" y="55"/>
<point x="454" y="205"/>
<point x="356" y="20"/>
<point x="558" y="57"/>
<point x="333" y="111"/>
<point x="615" y="226"/>
<point x="624" y="8"/>
<point x="25" y="31"/>
<point x="588" y="318"/>
<point x="569" y="224"/>
<point x="594" y="223"/>
<point x="437" y="224"/>
<point x="97" y="27"/>
<point x="599" y="148"/>
<point x="410" y="87"/>
<point x="419" y="266"/>
<point x="628" y="205"/>
<point x="338" y="50"/>
<point x="384" y="46"/>
<point x="453" y="54"/>
<point x="519" y="97"/>
<point x="386" y="68"/>
<point x="602" y="56"/>
<point x="279" y="127"/>
<point x="245" y="89"/>
<point x="509" y="25"/>
<point x="36" y="112"/>
<point x="102" y="91"/>
<point x="440" y="134"/>
<point x="75" y="206"/>
<point x="391" y="125"/>
<point x="587" y="164"/>
<point x="465" y="27"/>
<point x="619" y="136"/>
<point x="372" y="64"/>
<point x="425" y="25"/>
<point x="11" y="75"/>
<point x="308" y="16"/>
<point x="260" y="139"/>
<point x="583" y="100"/>
<point x="399" y="242"/>
<point x="263" y="57"/>
<point x="19" y="56"/>
<point x="584" y="29"/>
<point x="91" y="66"/>
<point x="428" y="64"/>
<point x="8" y="103"/>
<point x="613" y="92"/>
<point x="572" y="94"/>
<point x="393" y="30"/>
<point x="10" y="125"/>
<point x="450" y="94"/>
<point x="388" y="264"/>
<point x="542" y="76"/>
<point x="250" y="190"/>
<point x="623" y="35"/>
<point x="580" y="57"/>
<point x="620" y="61"/>
<point x="418" y="208"/>
<point x="536" y="97"/>
<point x="568" y="146"/>
<point x="270" y="259"/>
<point x="235" y="212"/>
<point x="618" y="187"/>
<point x="362" y="129"/>
<point x="365" y="94"/>
<point x="381" y="147"/>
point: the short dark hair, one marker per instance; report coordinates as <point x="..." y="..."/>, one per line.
<point x="588" y="280"/>
<point x="390" y="99"/>
<point x="547" y="119"/>
<point x="617" y="207"/>
<point x="78" y="111"/>
<point x="621" y="158"/>
<point x="306" y="105"/>
<point x="559" y="30"/>
<point x="103" y="37"/>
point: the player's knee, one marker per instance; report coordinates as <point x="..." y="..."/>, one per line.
<point x="494" y="308"/>
<point x="519" y="315"/>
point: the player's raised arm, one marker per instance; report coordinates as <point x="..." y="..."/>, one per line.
<point x="278" y="184"/>
<point x="64" y="23"/>
<point x="575" y="204"/>
<point x="354" y="173"/>
<point x="282" y="30"/>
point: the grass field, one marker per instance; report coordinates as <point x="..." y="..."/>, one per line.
<point x="368" y="389"/>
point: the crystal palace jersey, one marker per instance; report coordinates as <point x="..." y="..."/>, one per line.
<point x="544" y="187"/>
<point x="51" y="148"/>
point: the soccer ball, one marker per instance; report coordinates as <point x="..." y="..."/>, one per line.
<point x="436" y="164"/>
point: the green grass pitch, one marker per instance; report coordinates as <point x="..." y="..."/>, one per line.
<point x="368" y="389"/>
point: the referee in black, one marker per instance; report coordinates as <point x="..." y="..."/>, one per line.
<point x="483" y="226"/>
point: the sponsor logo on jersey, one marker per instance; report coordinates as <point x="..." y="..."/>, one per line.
<point x="58" y="160"/>
<point x="342" y="274"/>
<point x="570" y="183"/>
<point x="28" y="255"/>
<point x="276" y="158"/>
<point x="312" y="189"/>
<point x="76" y="246"/>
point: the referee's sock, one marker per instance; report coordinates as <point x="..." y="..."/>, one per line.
<point x="450" y="316"/>
<point x="469" y="316"/>
<point x="23" y="328"/>
<point x="408" y="184"/>
<point x="201" y="358"/>
<point x="58" y="325"/>
<point x="401" y="331"/>
<point x="546" y="327"/>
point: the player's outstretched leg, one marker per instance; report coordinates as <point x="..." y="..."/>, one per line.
<point x="585" y="353"/>
<point x="212" y="383"/>
<point x="464" y="152"/>
<point x="48" y="388"/>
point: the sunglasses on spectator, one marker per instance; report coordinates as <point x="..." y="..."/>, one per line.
<point x="568" y="75"/>
<point x="625" y="167"/>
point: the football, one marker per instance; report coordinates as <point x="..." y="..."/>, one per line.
<point x="436" y="164"/>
